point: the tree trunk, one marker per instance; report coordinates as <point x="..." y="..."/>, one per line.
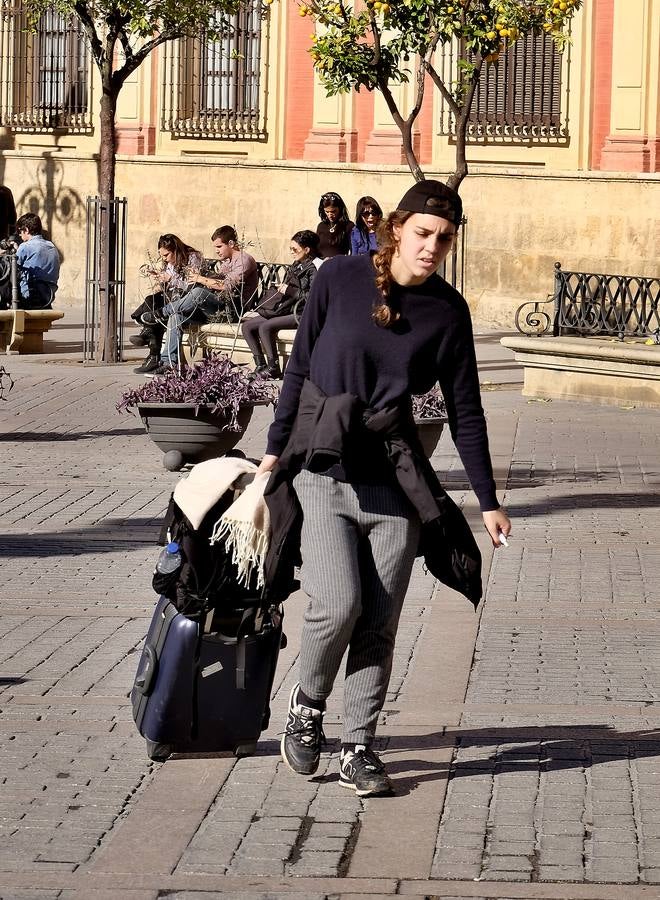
<point x="461" y="169"/>
<point x="107" y="349"/>
<point x="411" y="159"/>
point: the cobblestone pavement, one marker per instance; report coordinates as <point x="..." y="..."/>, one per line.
<point x="523" y="741"/>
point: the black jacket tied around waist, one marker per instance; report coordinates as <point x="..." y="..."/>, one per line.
<point x="322" y="429"/>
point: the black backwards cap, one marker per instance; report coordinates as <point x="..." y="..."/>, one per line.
<point x="435" y="199"/>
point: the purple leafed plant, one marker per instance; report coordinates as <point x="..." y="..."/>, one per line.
<point x="215" y="382"/>
<point x="430" y="405"/>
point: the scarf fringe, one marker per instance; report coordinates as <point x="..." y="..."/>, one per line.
<point x="248" y="546"/>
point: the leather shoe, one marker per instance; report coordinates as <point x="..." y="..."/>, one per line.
<point x="160" y="370"/>
<point x="150" y="364"/>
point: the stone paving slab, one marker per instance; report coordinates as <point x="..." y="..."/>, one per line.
<point x="535" y="774"/>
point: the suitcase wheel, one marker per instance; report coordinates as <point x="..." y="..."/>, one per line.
<point x="245" y="749"/>
<point x="158" y="752"/>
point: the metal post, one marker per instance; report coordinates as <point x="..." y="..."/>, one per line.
<point x="15" y="288"/>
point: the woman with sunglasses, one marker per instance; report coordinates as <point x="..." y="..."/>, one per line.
<point x="349" y="470"/>
<point x="283" y="306"/>
<point x="176" y="260"/>
<point x="368" y="216"/>
<point x="334" y="229"/>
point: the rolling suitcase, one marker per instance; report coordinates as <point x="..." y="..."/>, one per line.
<point x="204" y="686"/>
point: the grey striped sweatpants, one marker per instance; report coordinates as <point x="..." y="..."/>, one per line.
<point x="358" y="546"/>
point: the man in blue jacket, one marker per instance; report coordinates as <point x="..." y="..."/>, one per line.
<point x="38" y="264"/>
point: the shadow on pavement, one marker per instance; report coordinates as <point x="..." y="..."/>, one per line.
<point x="94" y="539"/>
<point x="529" y="749"/>
<point x="48" y="436"/>
<point x="638" y="500"/>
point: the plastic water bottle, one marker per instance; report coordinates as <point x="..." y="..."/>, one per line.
<point x="170" y="559"/>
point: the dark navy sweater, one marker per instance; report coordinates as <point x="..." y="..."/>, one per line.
<point x="341" y="350"/>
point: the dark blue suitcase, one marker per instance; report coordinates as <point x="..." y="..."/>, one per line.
<point x="204" y="692"/>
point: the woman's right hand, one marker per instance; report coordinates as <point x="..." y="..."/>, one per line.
<point x="267" y="464"/>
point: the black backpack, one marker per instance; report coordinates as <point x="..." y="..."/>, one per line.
<point x="207" y="579"/>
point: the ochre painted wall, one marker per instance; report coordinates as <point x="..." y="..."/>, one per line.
<point x="519" y="223"/>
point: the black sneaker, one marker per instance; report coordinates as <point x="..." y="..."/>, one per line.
<point x="150" y="364"/>
<point x="363" y="771"/>
<point x="303" y="738"/>
<point x="159" y="370"/>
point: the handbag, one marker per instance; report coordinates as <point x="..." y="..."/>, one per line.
<point x="275" y="304"/>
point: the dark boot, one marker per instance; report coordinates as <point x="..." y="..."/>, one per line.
<point x="151" y="363"/>
<point x="141" y="339"/>
<point x="272" y="369"/>
<point x="259" y="361"/>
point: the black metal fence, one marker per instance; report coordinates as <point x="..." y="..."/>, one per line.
<point x="45" y="73"/>
<point x="593" y="304"/>
<point x="106" y="252"/>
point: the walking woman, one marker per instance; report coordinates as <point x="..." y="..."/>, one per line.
<point x="368" y="216"/>
<point x="334" y="229"/>
<point x="276" y="312"/>
<point x="375" y="330"/>
<point x="177" y="261"/>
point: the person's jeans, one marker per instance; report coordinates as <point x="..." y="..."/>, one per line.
<point x="178" y="313"/>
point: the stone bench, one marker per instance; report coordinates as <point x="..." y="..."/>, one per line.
<point x="220" y="337"/>
<point x="588" y="368"/>
<point x="22" y="330"/>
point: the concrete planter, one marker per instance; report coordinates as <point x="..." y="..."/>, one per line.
<point x="186" y="434"/>
<point x="430" y="431"/>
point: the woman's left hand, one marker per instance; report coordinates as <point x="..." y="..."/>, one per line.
<point x="496" y="521"/>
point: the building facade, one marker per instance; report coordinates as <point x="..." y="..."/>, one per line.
<point x="564" y="148"/>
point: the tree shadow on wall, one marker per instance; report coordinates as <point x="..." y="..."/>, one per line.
<point x="51" y="199"/>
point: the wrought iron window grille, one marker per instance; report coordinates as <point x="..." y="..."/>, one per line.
<point x="44" y="74"/>
<point x="523" y="97"/>
<point x="215" y="89"/>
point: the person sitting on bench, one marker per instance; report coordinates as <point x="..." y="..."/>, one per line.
<point x="283" y="304"/>
<point x="38" y="264"/>
<point x="231" y="289"/>
<point x="171" y="281"/>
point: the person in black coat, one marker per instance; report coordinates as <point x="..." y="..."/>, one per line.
<point x="283" y="305"/>
<point x="375" y="331"/>
<point x="7" y="213"/>
<point x="334" y="229"/>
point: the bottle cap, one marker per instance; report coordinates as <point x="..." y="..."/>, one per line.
<point x="172" y="547"/>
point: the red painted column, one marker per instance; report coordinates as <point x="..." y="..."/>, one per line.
<point x="363" y="119"/>
<point x="601" y="93"/>
<point x="299" y="112"/>
<point x="426" y="124"/>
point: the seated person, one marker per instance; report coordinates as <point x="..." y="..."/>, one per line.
<point x="38" y="264"/>
<point x="172" y="280"/>
<point x="276" y="312"/>
<point x="233" y="285"/>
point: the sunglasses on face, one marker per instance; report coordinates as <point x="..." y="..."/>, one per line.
<point x="369" y="212"/>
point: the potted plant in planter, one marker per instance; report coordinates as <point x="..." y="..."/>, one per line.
<point x="200" y="412"/>
<point x="430" y="414"/>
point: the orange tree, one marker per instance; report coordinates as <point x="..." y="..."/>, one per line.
<point x="121" y="34"/>
<point x="375" y="44"/>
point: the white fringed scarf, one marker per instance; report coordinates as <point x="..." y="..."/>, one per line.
<point x="245" y="529"/>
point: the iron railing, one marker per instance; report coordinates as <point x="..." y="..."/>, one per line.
<point x="592" y="304"/>
<point x="44" y="73"/>
<point x="524" y="95"/>
<point x="106" y="250"/>
<point x="214" y="88"/>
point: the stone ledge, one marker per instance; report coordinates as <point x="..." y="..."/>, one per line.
<point x="594" y="369"/>
<point x="228" y="339"/>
